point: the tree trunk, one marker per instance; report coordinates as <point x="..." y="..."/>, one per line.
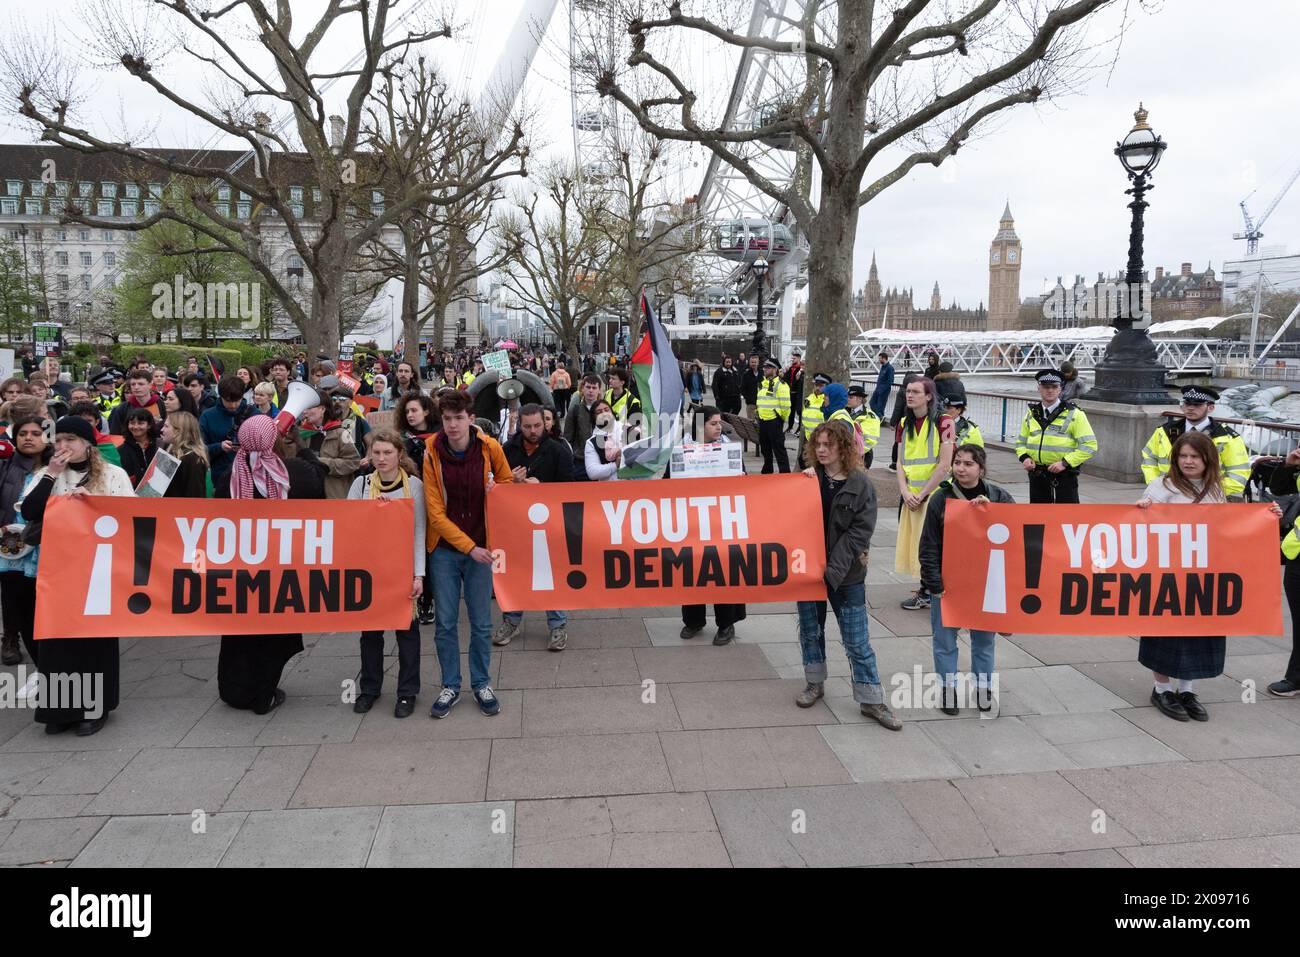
<point x="830" y="286"/>
<point x="411" y="312"/>
<point x="321" y="329"/>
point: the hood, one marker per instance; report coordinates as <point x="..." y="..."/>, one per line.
<point x="837" y="397"/>
<point x="943" y="376"/>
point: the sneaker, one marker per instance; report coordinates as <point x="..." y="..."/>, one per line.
<point x="1286" y="688"/>
<point x="487" y="701"/>
<point x="882" y="714"/>
<point x="918" y="602"/>
<point x="426" y="616"/>
<point x="725" y="635"/>
<point x="505" y="632"/>
<point x="364" y="703"/>
<point x="811" y="692"/>
<point x="446" y="701"/>
<point x="687" y="632"/>
<point x="559" y="638"/>
<point x="404" y="707"/>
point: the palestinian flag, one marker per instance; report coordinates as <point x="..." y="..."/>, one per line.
<point x="659" y="387"/>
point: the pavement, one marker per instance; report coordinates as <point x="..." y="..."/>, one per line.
<point x="635" y="748"/>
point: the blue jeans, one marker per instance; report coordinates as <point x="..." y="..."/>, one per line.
<point x="449" y="569"/>
<point x="849" y="602"/>
<point x="945" y="648"/>
<point x="554" y="619"/>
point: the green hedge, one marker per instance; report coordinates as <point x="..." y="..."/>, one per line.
<point x="172" y="356"/>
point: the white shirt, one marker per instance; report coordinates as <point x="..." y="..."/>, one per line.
<point x="1049" y="409"/>
<point x="1203" y="425"/>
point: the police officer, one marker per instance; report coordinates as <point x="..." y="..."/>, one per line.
<point x="812" y="414"/>
<point x="1055" y="439"/>
<point x="968" y="433"/>
<point x="106" y="396"/>
<point x="1198" y="406"/>
<point x="865" y="420"/>
<point x="773" y="402"/>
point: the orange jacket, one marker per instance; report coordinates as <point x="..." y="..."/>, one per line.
<point x="439" y="526"/>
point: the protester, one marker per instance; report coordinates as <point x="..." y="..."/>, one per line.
<point x="140" y="395"/>
<point x="1198" y="409"/>
<point x="534" y="457"/>
<point x="249" y="667"/>
<point x="561" y="385"/>
<point x="694" y="382"/>
<point x="181" y="438"/>
<point x="1071" y="385"/>
<point x="553" y="430"/>
<point x="620" y="399"/>
<point x="264" y="399"/>
<point x="884" y="385"/>
<point x="394" y="478"/>
<point x="750" y="379"/>
<point x="794" y="377"/>
<point x="581" y="422"/>
<point x="932" y="366"/>
<point x="345" y="412"/>
<point x="197" y="387"/>
<point x="75" y="469"/>
<point x="415" y="419"/>
<point x="55" y="405"/>
<point x="179" y="400"/>
<point x="404" y="381"/>
<point x="726" y="387"/>
<point x="249" y="375"/>
<point x="849" y="513"/>
<point x="1055" y="440"/>
<point x="899" y="414"/>
<point x="142" y="442"/>
<point x="333" y="447"/>
<point x="460" y="468"/>
<point x="17" y="587"/>
<point x="772" y="400"/>
<point x="220" y="427"/>
<point x="12" y="388"/>
<point x="604" y="450"/>
<point x="280" y="372"/>
<point x="928" y="443"/>
<point x="968" y="484"/>
<point x="695" y="617"/>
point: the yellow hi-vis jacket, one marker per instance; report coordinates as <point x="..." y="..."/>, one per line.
<point x="1065" y="436"/>
<point x="813" y="414"/>
<point x="968" y="433"/>
<point x="868" y="424"/>
<point x="1291" y="544"/>
<point x="773" y="400"/>
<point x="920" y="455"/>
<point x="1234" y="460"/>
<point x="467" y="378"/>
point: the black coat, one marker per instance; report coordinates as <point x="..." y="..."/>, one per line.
<point x="726" y="383"/>
<point x="191" y="478"/>
<point x="849" y="528"/>
<point x="749" y="385"/>
<point x="931" y="547"/>
<point x="14" y="473"/>
<point x="552" y="462"/>
<point x="135" y="459"/>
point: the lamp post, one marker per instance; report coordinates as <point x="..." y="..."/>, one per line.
<point x="392" y="319"/>
<point x="27" y="289"/>
<point x="1130" y="372"/>
<point x="759" y="269"/>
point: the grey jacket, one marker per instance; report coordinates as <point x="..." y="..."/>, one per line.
<point x="931" y="545"/>
<point x="848" y="530"/>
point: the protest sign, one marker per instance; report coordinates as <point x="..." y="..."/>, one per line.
<point x="498" y="361"/>
<point x="346" y="351"/>
<point x="657" y="542"/>
<point x="135" y="567"/>
<point x="352" y="383"/>
<point x="47" y="337"/>
<point x="158" y="476"/>
<point x="707" y="460"/>
<point x="1112" y="569"/>
<point x="6" y="364"/>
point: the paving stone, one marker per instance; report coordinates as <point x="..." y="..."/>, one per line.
<point x="465" y="721"/>
<point x="732" y="662"/>
<point x="1072" y="859"/>
<point x="48" y="805"/>
<point x="943" y="815"/>
<point x="1130" y="681"/>
<point x="223" y="727"/>
<point x="850" y="825"/>
<point x="315" y="720"/>
<point x="1038" y="813"/>
<point x="174" y="781"/>
<point x="55" y="839"/>
<point x="1234" y="731"/>
<point x="1076" y="649"/>
<point x="445" y="772"/>
<point x="1262" y="668"/>
<point x="1100" y="739"/>
<point x="745" y="704"/>
<point x="327" y="837"/>
<point x="1191" y="801"/>
<point x="61" y="772"/>
<point x="445" y="835"/>
<point x="1280" y="775"/>
<point x="577" y="766"/>
<point x="873" y="753"/>
<point x="141" y="723"/>
<point x="847" y="711"/>
<point x="178" y="678"/>
<point x="754" y="630"/>
<point x="580" y="711"/>
<point x="271" y="780"/>
<point x="572" y="668"/>
<point x="1279" y="851"/>
<point x="750" y="758"/>
<point x="900" y="621"/>
<point x="1002" y="746"/>
<point x="322" y="676"/>
<point x="583" y="634"/>
<point x="566" y="832"/>
<point x="163" y="841"/>
<point x="1057" y="689"/>
<point x="189" y="646"/>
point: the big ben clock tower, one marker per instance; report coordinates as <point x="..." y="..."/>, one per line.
<point x="1004" y="274"/>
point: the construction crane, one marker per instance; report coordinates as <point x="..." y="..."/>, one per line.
<point x="1252" y="235"/>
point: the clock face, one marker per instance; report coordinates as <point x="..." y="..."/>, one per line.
<point x="1011" y="255"/>
<point x="996" y="256"/>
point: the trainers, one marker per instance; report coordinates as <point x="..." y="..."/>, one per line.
<point x="426" y="616"/>
<point x="1286" y="688"/>
<point x="505" y="632"/>
<point x="446" y="701"/>
<point x="917" y="602"/>
<point x="364" y="703"/>
<point x="882" y="714"/>
<point x="811" y="692"/>
<point x="559" y="638"/>
<point x="405" y="705"/>
<point x="687" y="632"/>
<point x="487" y="701"/>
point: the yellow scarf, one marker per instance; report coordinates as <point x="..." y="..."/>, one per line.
<point x="375" y="483"/>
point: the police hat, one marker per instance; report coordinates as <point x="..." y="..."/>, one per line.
<point x="955" y="398"/>
<point x="770" y="361"/>
<point x="1195" y="394"/>
<point x="822" y="378"/>
<point x="1049" y="377"/>
<point x="104" y="378"/>
<point x="858" y="391"/>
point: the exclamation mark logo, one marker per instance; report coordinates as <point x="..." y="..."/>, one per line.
<point x="99" y="595"/>
<point x="573" y="542"/>
<point x="995" y="582"/>
<point x="543" y="577"/>
<point x="1030" y="604"/>
<point x="145" y="530"/>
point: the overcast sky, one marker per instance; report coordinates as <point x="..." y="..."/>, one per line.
<point x="1221" y="82"/>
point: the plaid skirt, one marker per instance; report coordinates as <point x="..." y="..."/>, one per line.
<point x="1186" y="658"/>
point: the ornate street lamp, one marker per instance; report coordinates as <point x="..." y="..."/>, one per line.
<point x="1130" y="372"/>
<point x="759" y="269"/>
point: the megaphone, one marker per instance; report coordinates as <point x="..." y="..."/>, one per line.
<point x="301" y="397"/>
<point x="510" y="389"/>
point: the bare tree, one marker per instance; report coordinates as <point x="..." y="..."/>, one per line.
<point x="208" y="39"/>
<point x="557" y="258"/>
<point x="895" y="83"/>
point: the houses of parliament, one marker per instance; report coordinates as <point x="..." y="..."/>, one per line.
<point x="875" y="307"/>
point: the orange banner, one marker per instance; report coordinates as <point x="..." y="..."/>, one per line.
<point x="132" y="567"/>
<point x="665" y="542"/>
<point x="1112" y="569"/>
